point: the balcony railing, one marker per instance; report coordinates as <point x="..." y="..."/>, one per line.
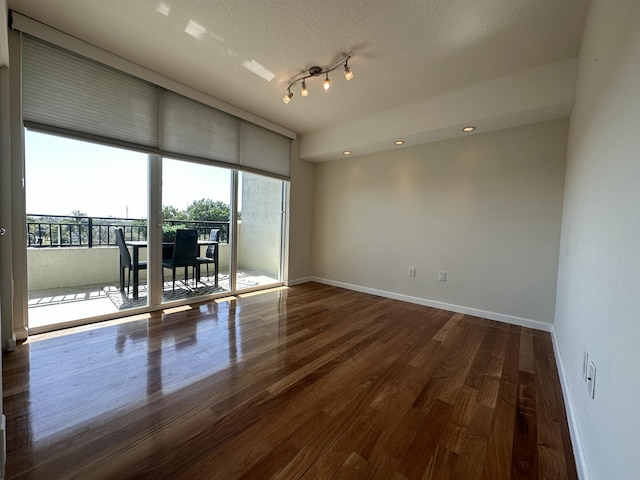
<point x="70" y="231"/>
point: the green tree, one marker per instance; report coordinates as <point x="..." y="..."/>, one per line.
<point x="209" y="210"/>
<point x="169" y="212"/>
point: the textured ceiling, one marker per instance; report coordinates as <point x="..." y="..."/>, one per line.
<point x="403" y="52"/>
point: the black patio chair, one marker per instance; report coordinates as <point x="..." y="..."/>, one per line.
<point x="211" y="255"/>
<point x="184" y="255"/>
<point x="125" y="260"/>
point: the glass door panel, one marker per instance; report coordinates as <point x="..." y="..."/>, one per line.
<point x="196" y="197"/>
<point x="78" y="194"/>
<point x="260" y="217"/>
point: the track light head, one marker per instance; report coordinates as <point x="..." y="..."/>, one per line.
<point x="303" y="90"/>
<point x="348" y="74"/>
<point x="287" y="98"/>
<point x="327" y="83"/>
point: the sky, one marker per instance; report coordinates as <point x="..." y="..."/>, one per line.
<point x="63" y="175"/>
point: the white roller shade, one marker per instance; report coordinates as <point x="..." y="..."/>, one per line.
<point x="66" y="91"/>
<point x="194" y="129"/>
<point x="264" y="150"/>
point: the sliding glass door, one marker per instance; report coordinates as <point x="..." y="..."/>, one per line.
<point x="260" y="230"/>
<point x="78" y="194"/>
<point x="195" y="196"/>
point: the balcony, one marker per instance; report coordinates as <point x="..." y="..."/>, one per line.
<point x="73" y="266"/>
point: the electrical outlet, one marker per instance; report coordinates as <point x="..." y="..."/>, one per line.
<point x="443" y="276"/>
<point x="412" y="271"/>
<point x="585" y="365"/>
<point x="591" y="380"/>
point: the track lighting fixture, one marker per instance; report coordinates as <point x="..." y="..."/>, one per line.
<point x="316" y="71"/>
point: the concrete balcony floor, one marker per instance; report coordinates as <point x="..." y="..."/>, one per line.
<point x="51" y="307"/>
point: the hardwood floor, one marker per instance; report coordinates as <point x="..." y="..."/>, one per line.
<point x="311" y="382"/>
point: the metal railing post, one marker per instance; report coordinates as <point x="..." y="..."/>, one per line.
<point x="90" y="233"/>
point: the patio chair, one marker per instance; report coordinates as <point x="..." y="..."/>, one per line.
<point x="211" y="255"/>
<point x="125" y="260"/>
<point x="184" y="255"/>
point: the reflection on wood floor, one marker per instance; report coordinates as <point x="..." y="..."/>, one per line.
<point x="307" y="382"/>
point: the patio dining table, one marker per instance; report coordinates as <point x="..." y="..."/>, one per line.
<point x="136" y="245"/>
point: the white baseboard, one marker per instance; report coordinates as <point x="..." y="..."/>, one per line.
<point x="499" y="317"/>
<point x="576" y="442"/>
<point x="299" y="281"/>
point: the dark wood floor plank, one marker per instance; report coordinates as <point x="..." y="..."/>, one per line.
<point x="462" y="342"/>
<point x="488" y="394"/>
<point x="526" y="360"/>
<point x="386" y="453"/>
<point x="511" y="363"/>
<point x="441" y="465"/>
<point x="286" y="450"/>
<point x="524" y="460"/>
<point x="460" y="419"/>
<point x="334" y="458"/>
<point x="353" y="468"/>
<point x="497" y="463"/>
<point x="550" y="401"/>
<point x="422" y="451"/>
<point x="471" y="459"/>
<point x="312" y="381"/>
<point x="481" y="361"/>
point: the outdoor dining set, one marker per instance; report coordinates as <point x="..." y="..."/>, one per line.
<point x="183" y="252"/>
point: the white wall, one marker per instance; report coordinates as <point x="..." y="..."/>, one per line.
<point x="486" y="208"/>
<point x="300" y="218"/>
<point x="598" y="300"/>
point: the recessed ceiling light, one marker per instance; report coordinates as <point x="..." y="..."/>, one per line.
<point x="399" y="142"/>
<point x="346" y="152"/>
<point x="468" y="129"/>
